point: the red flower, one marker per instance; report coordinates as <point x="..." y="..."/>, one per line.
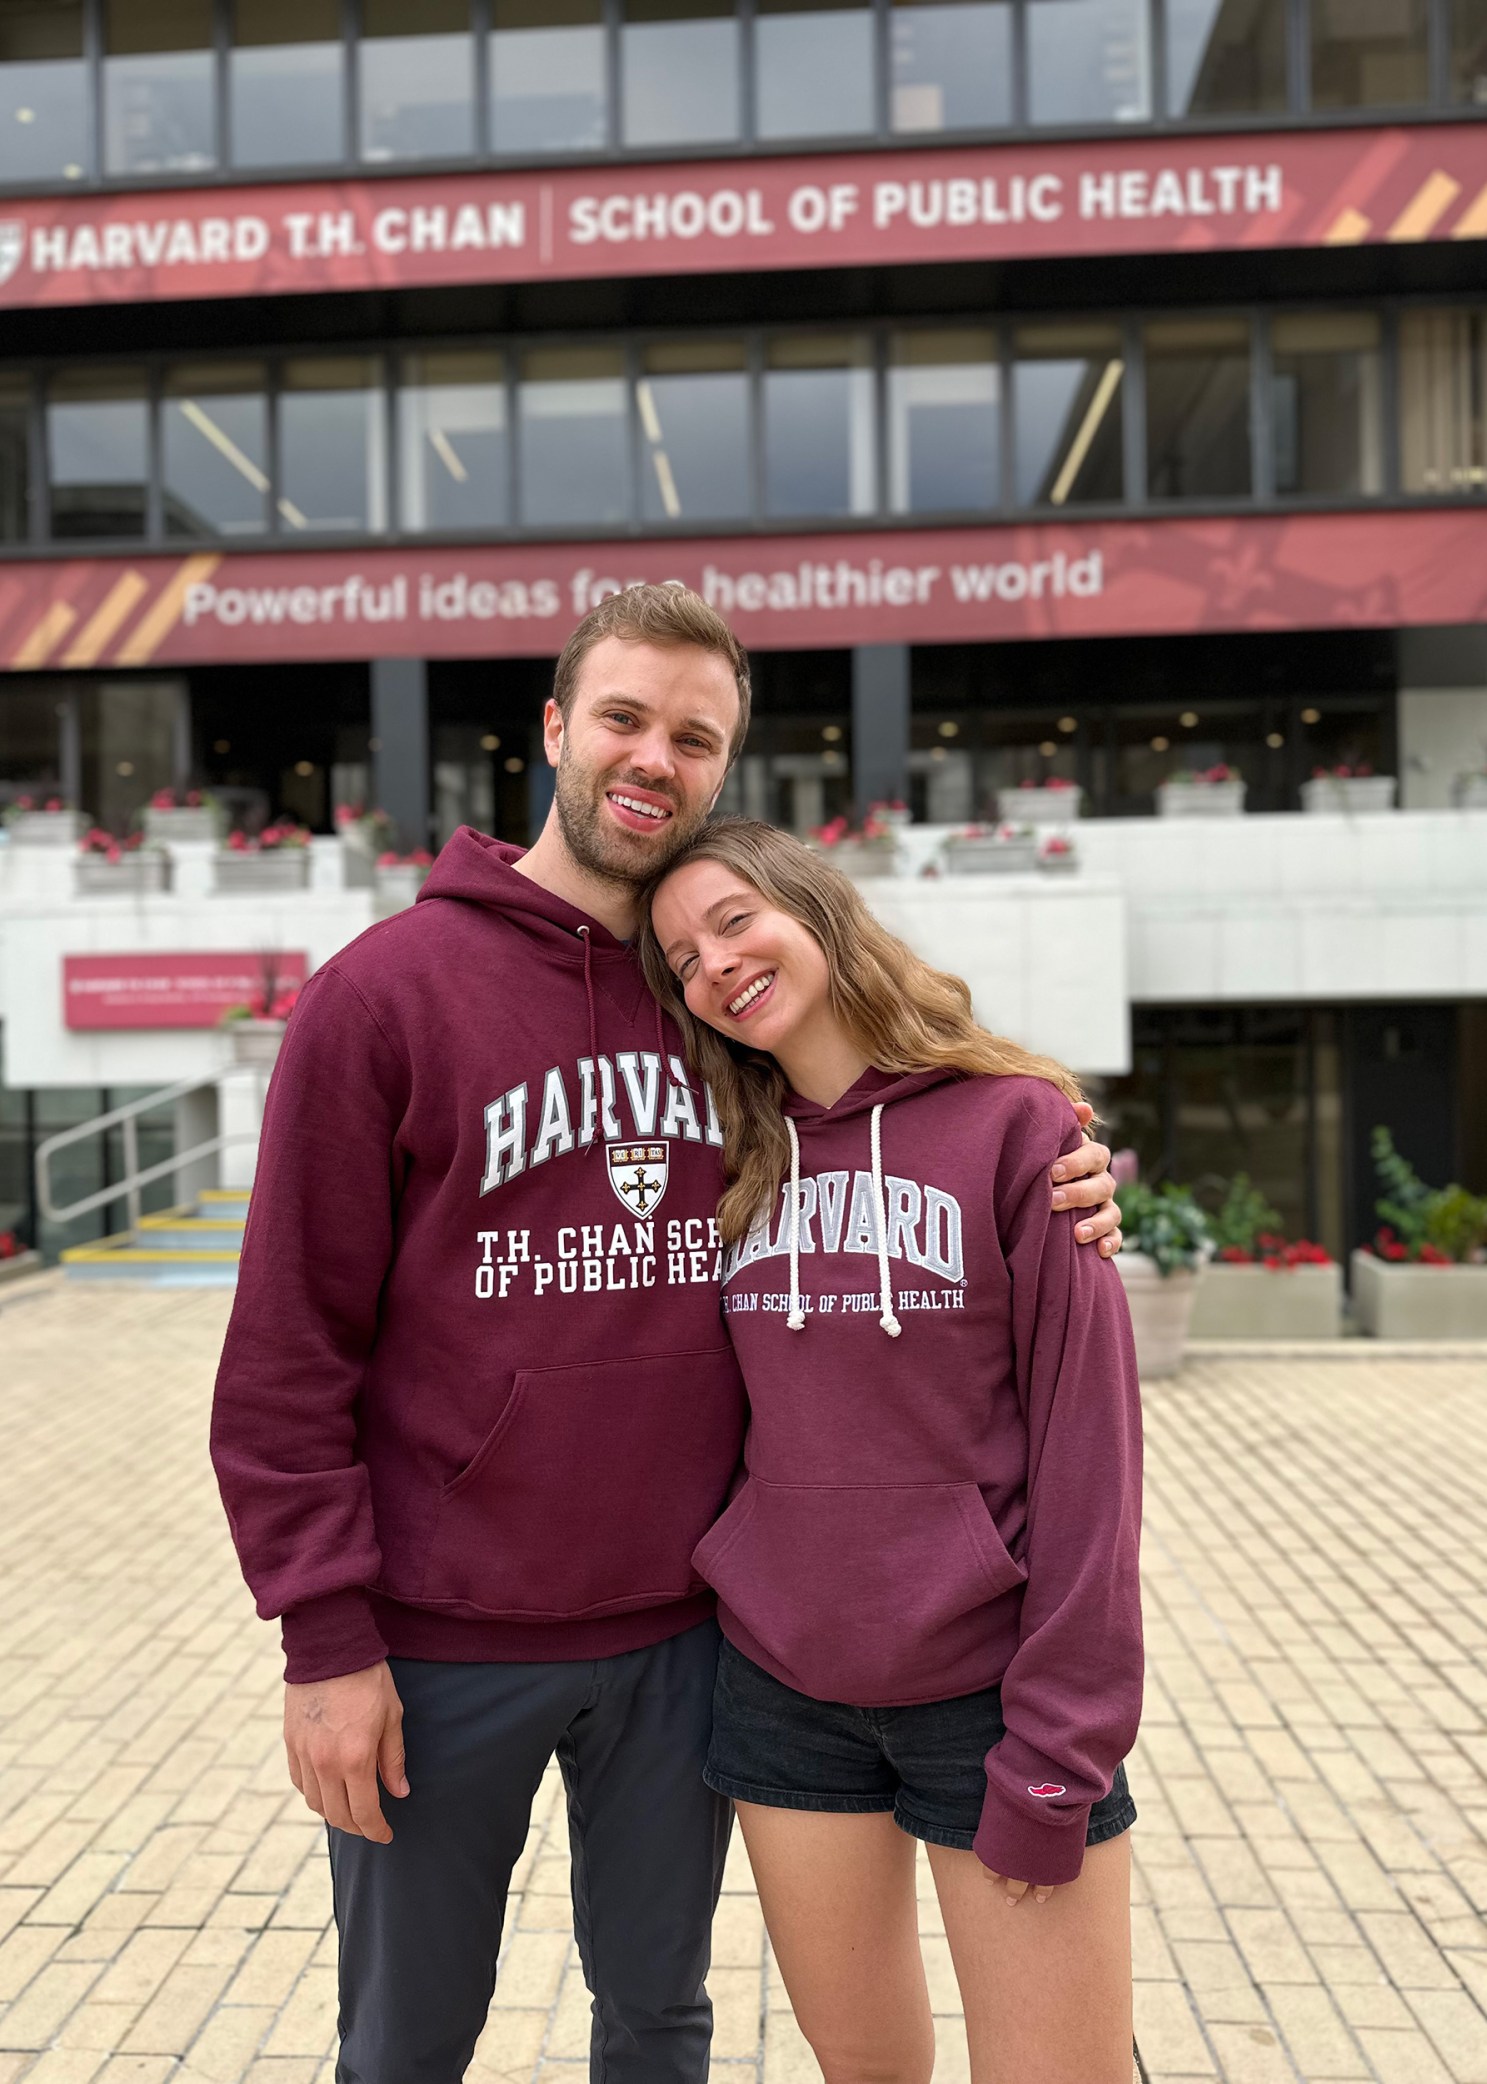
<point x="389" y="860"/>
<point x="238" y="842"/>
<point x="421" y="858"/>
<point x="9" y="1247"/>
<point x="1236" y="1255"/>
<point x="54" y="803"/>
<point x="1432" y="1255"/>
<point x="193" y="799"/>
<point x="163" y="799"/>
<point x="283" y="1005"/>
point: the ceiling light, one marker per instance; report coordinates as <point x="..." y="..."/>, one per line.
<point x="1275" y="740"/>
<point x="304" y="769"/>
<point x="1188" y="718"/>
<point x="490" y="743"/>
<point x="1068" y="723"/>
<point x="831" y="733"/>
<point x="221" y="745"/>
<point x="1311" y="716"/>
<point x="937" y="753"/>
<point x="514" y="765"/>
<point x="125" y="767"/>
<point x="1160" y="745"/>
<point x="831" y="759"/>
<point x="949" y="730"/>
<point x="1048" y="748"/>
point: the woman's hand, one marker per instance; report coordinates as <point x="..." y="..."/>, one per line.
<point x="1018" y="1891"/>
<point x="1082" y="1180"/>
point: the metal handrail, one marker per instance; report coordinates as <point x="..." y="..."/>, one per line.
<point x="128" y="1188"/>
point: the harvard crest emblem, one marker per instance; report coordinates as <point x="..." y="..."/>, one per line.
<point x="637" y="1172"/>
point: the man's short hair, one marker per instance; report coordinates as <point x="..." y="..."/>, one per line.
<point x="656" y="615"/>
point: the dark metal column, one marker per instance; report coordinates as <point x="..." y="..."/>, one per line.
<point x="400" y="742"/>
<point x="880" y="724"/>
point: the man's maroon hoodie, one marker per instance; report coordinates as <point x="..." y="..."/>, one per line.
<point x="944" y="1449"/>
<point x="476" y="1400"/>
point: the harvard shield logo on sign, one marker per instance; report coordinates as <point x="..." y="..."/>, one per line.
<point x="637" y="1172"/>
<point x="12" y="247"/>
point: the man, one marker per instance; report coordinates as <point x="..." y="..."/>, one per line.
<point x="476" y="1406"/>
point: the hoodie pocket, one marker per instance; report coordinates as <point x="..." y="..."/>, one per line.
<point x="589" y="1493"/>
<point x="869" y="1593"/>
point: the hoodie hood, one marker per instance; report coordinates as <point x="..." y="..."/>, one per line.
<point x="874" y="1088"/>
<point x="483" y="871"/>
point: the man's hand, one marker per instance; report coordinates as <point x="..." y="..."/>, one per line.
<point x="1018" y="1890"/>
<point x="340" y="1735"/>
<point x="1082" y="1180"/>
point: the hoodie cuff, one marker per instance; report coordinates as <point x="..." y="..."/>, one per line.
<point x="1046" y="1850"/>
<point x="330" y="1636"/>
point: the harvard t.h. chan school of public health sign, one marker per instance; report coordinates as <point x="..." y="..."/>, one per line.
<point x="1000" y="202"/>
<point x="923" y="586"/>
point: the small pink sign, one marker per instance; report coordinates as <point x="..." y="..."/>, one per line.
<point x="169" y="991"/>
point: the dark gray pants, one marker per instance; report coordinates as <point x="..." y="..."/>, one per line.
<point x="420" y="1919"/>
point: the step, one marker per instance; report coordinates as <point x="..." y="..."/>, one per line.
<point x="123" y="1259"/>
<point x="225" y="1199"/>
<point x="181" y="1230"/>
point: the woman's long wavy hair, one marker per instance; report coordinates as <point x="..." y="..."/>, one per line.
<point x="903" y="1015"/>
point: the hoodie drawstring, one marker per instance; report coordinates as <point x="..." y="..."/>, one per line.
<point x="588" y="985"/>
<point x="796" y="1318"/>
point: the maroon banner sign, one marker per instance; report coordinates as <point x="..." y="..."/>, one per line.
<point x="168" y="991"/>
<point x="1000" y="202"/>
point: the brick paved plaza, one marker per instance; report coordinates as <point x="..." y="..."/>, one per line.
<point x="1312" y="1773"/>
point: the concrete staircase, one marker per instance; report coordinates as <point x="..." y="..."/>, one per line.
<point x="195" y="1247"/>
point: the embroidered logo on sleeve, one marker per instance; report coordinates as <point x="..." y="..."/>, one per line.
<point x="1048" y="1790"/>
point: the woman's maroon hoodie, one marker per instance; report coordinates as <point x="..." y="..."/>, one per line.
<point x="944" y="1452"/>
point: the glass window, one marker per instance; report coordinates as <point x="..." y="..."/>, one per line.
<point x="693" y="400"/>
<point x="1325" y="416"/>
<point x="416" y="71"/>
<point x="43" y="92"/>
<point x="813" y="67"/>
<point x="944" y="422"/>
<point x="157" y="86"/>
<point x="1197" y="409"/>
<point x="1087" y="61"/>
<point x="1469" y="52"/>
<point x="1067" y="437"/>
<point x="1225" y="57"/>
<point x="679" y="72"/>
<point x="548" y="89"/>
<point x="97" y="424"/>
<point x="1443" y="401"/>
<point x="15" y="459"/>
<point x="452" y="423"/>
<point x="950" y="64"/>
<point x="1369" y="57"/>
<point x="214" y="449"/>
<point x="333" y="445"/>
<point x="818" y="425"/>
<point x="287" y="83"/>
<point x="573" y="436"/>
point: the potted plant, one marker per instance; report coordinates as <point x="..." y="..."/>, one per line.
<point x="181" y="817"/>
<point x="257" y="1027"/>
<point x="1051" y="802"/>
<point x="892" y="812"/>
<point x="1352" y="788"/>
<point x="1202" y="792"/>
<point x="981" y="850"/>
<point x="1166" y="1239"/>
<point x="871" y="852"/>
<point x="364" y="835"/>
<point x="1256" y="1284"/>
<point x="279" y="859"/>
<point x="109" y="867"/>
<point x="1058" y="852"/>
<point x="398" y="878"/>
<point x="15" y="1258"/>
<point x="47" y="821"/>
<point x="1425" y="1275"/>
<point x="1469" y="789"/>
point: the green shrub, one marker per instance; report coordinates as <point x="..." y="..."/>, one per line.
<point x="1165" y="1223"/>
<point x="1244" y="1217"/>
<point x="1420" y="1222"/>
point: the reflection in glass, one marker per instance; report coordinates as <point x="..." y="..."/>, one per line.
<point x="572" y="436"/>
<point x="97" y="429"/>
<point x="818" y="425"/>
<point x="1066" y="405"/>
<point x="15" y="461"/>
<point x="1443" y="401"/>
<point x="547" y="76"/>
<point x="1087" y="61"/>
<point x="944" y="427"/>
<point x="813" y="65"/>
<point x="950" y="64"/>
<point x="1469" y="52"/>
<point x="452" y="424"/>
<point x="679" y="72"/>
<point x="1225" y="57"/>
<point x="43" y="92"/>
<point x="157" y="86"/>
<point x="1369" y="57"/>
<point x="214" y="442"/>
<point x="1197" y="409"/>
<point x="415" y="68"/>
<point x="693" y="401"/>
<point x="332" y="445"/>
<point x="1325" y="408"/>
<point x="286" y="83"/>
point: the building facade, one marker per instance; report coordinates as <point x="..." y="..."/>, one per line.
<point x="1076" y="389"/>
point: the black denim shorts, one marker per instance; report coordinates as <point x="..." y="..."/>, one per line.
<point x="925" y="1763"/>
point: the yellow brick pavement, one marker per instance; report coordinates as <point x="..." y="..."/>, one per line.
<point x="1312" y="1772"/>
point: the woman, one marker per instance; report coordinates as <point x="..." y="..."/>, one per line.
<point x="927" y="1582"/>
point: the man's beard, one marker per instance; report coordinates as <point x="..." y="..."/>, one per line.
<point x="600" y="846"/>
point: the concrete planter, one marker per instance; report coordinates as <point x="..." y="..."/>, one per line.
<point x="1251" y="1302"/>
<point x="132" y="875"/>
<point x="259" y="875"/>
<point x="256" y="1042"/>
<point x="1419" y="1302"/>
<point x="182" y="828"/>
<point x="989" y="857"/>
<point x="1355" y="795"/>
<point x="1469" y="792"/>
<point x="1039" y="806"/>
<point x="397" y="888"/>
<point x="858" y="858"/>
<point x="47" y="828"/>
<point x="1058" y="864"/>
<point x="1223" y="799"/>
<point x="1161" y="1311"/>
<point x="22" y="1263"/>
